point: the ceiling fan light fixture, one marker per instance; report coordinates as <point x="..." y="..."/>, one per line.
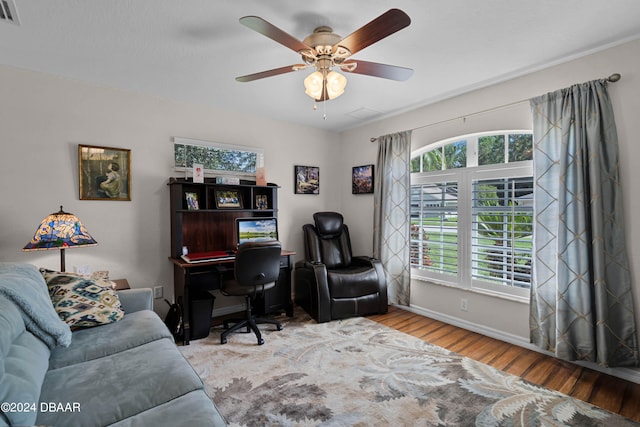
<point x="313" y="85"/>
<point x="336" y="83"/>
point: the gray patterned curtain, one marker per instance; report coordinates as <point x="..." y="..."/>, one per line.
<point x="391" y="213"/>
<point x="581" y="301"/>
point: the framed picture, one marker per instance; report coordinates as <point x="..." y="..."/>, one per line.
<point x="228" y="199"/>
<point x="362" y="179"/>
<point x="192" y="201"/>
<point x="262" y="202"/>
<point x="307" y="180"/>
<point x="104" y="173"/>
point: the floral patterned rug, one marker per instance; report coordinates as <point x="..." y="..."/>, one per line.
<point x="356" y="372"/>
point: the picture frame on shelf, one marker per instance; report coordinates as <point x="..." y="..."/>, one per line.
<point x="362" y="179"/>
<point x="306" y="179"/>
<point x="192" y="201"/>
<point x="228" y="199"/>
<point x="262" y="202"/>
<point x="104" y="173"/>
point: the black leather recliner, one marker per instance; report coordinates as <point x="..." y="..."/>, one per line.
<point x="331" y="283"/>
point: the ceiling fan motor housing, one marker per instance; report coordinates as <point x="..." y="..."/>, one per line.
<point x="321" y="37"/>
<point x="325" y="43"/>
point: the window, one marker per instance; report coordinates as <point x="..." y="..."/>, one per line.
<point x="450" y="156"/>
<point x="472" y="212"/>
<point x="434" y="236"/>
<point x="216" y="157"/>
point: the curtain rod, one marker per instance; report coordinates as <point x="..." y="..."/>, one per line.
<point x="611" y="79"/>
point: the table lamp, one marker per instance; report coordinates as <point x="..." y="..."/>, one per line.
<point x="60" y="230"/>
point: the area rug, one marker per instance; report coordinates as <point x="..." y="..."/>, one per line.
<point x="357" y="372"/>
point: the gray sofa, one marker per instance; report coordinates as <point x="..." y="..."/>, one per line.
<point x="127" y="373"/>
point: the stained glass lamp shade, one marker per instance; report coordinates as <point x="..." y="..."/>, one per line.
<point x="60" y="230"/>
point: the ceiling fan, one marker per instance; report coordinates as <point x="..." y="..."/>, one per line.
<point x="324" y="51"/>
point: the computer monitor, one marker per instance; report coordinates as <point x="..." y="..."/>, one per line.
<point x="256" y="229"/>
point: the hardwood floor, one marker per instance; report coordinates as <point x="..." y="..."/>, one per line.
<point x="605" y="391"/>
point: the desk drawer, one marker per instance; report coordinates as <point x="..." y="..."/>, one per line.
<point x="284" y="261"/>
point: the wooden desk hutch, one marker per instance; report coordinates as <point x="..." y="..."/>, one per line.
<point x="211" y="227"/>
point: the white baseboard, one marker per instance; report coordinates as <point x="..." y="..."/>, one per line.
<point x="628" y="374"/>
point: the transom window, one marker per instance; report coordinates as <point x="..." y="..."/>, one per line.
<point x="472" y="212"/>
<point x="217" y="158"/>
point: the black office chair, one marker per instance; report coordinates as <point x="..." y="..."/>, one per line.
<point x="256" y="270"/>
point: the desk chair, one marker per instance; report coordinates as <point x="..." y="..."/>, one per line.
<point x="257" y="267"/>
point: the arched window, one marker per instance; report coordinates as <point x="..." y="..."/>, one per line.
<point x="472" y="212"/>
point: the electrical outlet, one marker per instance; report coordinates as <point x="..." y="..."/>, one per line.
<point x="84" y="270"/>
<point x="157" y="291"/>
<point x="464" y="304"/>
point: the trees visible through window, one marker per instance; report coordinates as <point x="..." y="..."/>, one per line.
<point x="502" y="230"/>
<point x="472" y="212"/>
<point x="216" y="157"/>
<point x="449" y="156"/>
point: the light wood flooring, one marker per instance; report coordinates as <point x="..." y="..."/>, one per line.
<point x="605" y="391"/>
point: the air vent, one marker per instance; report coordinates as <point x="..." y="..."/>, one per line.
<point x="363" y="113"/>
<point x="8" y="12"/>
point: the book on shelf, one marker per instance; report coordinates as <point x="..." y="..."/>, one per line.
<point x="196" y="257"/>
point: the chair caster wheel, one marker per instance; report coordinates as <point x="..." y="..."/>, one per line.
<point x="260" y="341"/>
<point x="223" y="340"/>
<point x="279" y="327"/>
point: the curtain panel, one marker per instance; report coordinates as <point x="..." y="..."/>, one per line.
<point x="581" y="296"/>
<point x="391" y="213"/>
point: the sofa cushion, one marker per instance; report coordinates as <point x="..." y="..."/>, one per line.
<point x="132" y="300"/>
<point x="82" y="302"/>
<point x="119" y="386"/>
<point x="23" y="285"/>
<point x="12" y="325"/>
<point x="192" y="409"/>
<point x="23" y="365"/>
<point x="133" y="330"/>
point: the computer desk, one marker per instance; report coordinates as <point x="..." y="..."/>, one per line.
<point x="208" y="275"/>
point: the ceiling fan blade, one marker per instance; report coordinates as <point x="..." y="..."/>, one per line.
<point x="270" y="73"/>
<point x="384" y="25"/>
<point x="274" y="33"/>
<point x="385" y="71"/>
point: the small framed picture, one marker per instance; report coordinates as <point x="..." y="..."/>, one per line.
<point x="362" y="179"/>
<point x="307" y="180"/>
<point x="192" y="201"/>
<point x="228" y="199"/>
<point x="262" y="202"/>
<point x="104" y="173"/>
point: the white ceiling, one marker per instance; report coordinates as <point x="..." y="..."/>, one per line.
<point x="191" y="50"/>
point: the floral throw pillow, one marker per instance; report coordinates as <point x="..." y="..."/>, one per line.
<point x="82" y="302"/>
